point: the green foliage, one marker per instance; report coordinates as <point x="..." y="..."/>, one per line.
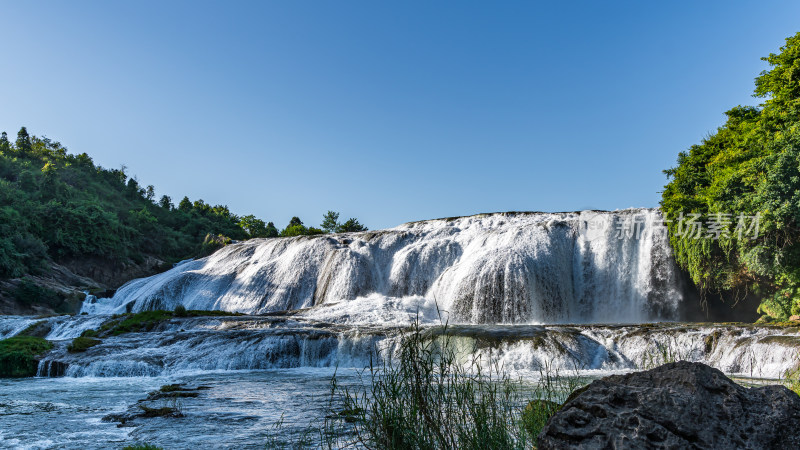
<point x="536" y="415"/>
<point x="147" y="321"/>
<point x="213" y="243"/>
<point x="351" y="225"/>
<point x="56" y="206"/>
<point x="271" y="231"/>
<point x="433" y="395"/>
<point x="59" y="206"/>
<point x="750" y="166"/>
<point x="82" y="343"/>
<point x="18" y="356"/>
<point x="23" y="141"/>
<point x="296" y="228"/>
<point x="330" y="221"/>
<point x="5" y="145"/>
<point x="89" y="333"/>
<point x="431" y="398"/>
<point x="29" y="293"/>
<point x="185" y="205"/>
<point x="133" y="323"/>
<point x="256" y="228"/>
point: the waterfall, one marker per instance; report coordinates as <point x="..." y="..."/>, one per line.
<point x="582" y="267"/>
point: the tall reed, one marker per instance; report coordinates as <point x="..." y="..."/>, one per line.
<point x="428" y="395"/>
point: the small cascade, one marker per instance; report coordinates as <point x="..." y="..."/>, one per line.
<point x="66" y="327"/>
<point x="256" y="343"/>
<point x="13" y="325"/>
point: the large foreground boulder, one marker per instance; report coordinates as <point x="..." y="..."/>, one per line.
<point x="677" y="405"/>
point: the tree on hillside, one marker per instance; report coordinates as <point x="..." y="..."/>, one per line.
<point x="330" y="221"/>
<point x="166" y="202"/>
<point x="23" y="141"/>
<point x="255" y="227"/>
<point x="351" y="225"/>
<point x="185" y="205"/>
<point x="296" y="228"/>
<point x="5" y="145"/>
<point x="150" y="193"/>
<point x="271" y="230"/>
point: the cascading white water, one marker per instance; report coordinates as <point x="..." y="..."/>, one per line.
<point x="201" y="344"/>
<point x="13" y="325"/>
<point x="584" y="267"/>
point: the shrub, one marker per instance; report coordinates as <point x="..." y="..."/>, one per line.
<point x="89" y="333"/>
<point x="81" y="344"/>
<point x="180" y="311"/>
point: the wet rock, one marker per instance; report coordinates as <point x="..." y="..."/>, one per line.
<point x="169" y="406"/>
<point x="174" y="391"/>
<point x="677" y="405"/>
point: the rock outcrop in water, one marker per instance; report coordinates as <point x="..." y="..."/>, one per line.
<point x="677" y="405"/>
<point x="584" y="267"/>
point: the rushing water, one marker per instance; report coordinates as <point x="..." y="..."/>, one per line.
<point x="239" y="410"/>
<point x="584" y="267"/>
<point x="567" y="293"/>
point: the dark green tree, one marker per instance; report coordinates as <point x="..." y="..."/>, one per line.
<point x="185" y="205"/>
<point x="23" y="141"/>
<point x="351" y="225"/>
<point x="330" y="221"/>
<point x="255" y="227"/>
<point x="5" y="145"/>
<point x="150" y="193"/>
<point x="165" y="202"/>
<point x="271" y="230"/>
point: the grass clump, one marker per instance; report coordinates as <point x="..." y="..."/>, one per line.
<point x="132" y="323"/>
<point x="89" y="333"/>
<point x="19" y="356"/>
<point x="147" y="320"/>
<point x="429" y="399"/>
<point x="428" y="395"/>
<point x="81" y="344"/>
<point x="536" y="415"/>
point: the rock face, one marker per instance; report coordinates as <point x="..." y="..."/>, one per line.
<point x="69" y="281"/>
<point x="677" y="405"/>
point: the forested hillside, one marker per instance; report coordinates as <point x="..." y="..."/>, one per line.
<point x="750" y="167"/>
<point x="63" y="219"/>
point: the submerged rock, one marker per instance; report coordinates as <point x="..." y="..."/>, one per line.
<point x="677" y="405"/>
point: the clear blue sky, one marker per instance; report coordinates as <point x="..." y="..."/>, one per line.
<point x="386" y="111"/>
